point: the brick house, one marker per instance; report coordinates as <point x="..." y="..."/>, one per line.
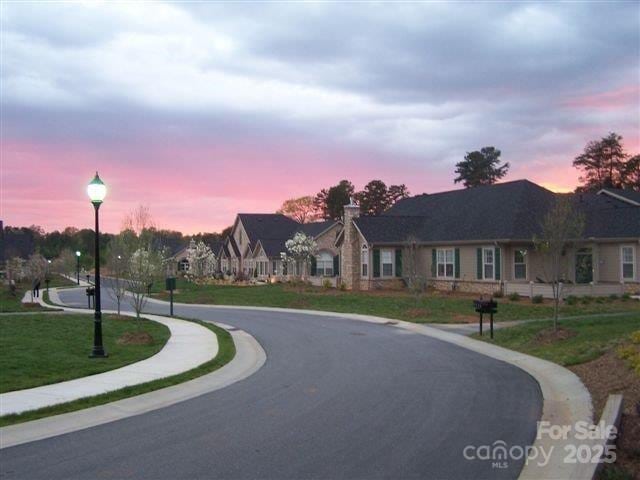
<point x="481" y="240"/>
<point x="257" y="239"/>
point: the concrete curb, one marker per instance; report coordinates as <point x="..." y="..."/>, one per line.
<point x="566" y="400"/>
<point x="249" y="359"/>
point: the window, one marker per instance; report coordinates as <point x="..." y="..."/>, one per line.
<point x="387" y="263"/>
<point x="324" y="265"/>
<point x="628" y="263"/>
<point x="487" y="263"/>
<point x="445" y="267"/>
<point x="183" y="266"/>
<point x="520" y="265"/>
<point x="364" y="260"/>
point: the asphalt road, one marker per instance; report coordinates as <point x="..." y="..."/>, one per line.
<point x="336" y="398"/>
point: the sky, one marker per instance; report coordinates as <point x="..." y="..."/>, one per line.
<point x="202" y="110"/>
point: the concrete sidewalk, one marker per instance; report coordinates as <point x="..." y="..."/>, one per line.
<point x="189" y="346"/>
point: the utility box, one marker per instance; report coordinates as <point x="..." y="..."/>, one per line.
<point x="170" y="283"/>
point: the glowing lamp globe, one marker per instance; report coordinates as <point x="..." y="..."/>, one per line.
<point x="96" y="190"/>
<point x="78" y="253"/>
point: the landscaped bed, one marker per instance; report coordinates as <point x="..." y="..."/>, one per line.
<point x="46" y="348"/>
<point x="434" y="306"/>
<point x="605" y="353"/>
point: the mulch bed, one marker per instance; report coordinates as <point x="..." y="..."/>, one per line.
<point x="549" y="336"/>
<point x="610" y="374"/>
<point x="135" y="338"/>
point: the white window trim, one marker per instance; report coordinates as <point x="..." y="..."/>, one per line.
<point x="493" y="263"/>
<point x="393" y="263"/>
<point x="364" y="260"/>
<point x="526" y="264"/>
<point x="622" y="262"/>
<point x="445" y="263"/>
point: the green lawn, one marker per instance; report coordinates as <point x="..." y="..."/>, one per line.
<point x="45" y="348"/>
<point x="433" y="307"/>
<point x="226" y="352"/>
<point x="592" y="338"/>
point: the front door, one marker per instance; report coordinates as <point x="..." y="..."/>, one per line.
<point x="584" y="265"/>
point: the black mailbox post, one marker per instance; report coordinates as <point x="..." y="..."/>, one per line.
<point x="91" y="291"/>
<point x="486" y="306"/>
<point x="170" y="284"/>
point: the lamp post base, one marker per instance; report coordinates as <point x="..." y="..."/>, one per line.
<point x="98" y="353"/>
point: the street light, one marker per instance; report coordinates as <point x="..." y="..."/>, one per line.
<point x="97" y="191"/>
<point x="78" y="266"/>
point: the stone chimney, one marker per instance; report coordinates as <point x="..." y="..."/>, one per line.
<point x="350" y="249"/>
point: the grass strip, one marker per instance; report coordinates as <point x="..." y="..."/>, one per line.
<point x="226" y="352"/>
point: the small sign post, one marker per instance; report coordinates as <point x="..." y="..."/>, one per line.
<point x="170" y="284"/>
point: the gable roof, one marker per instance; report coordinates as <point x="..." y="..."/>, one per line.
<point x="232" y="247"/>
<point x="315" y="229"/>
<point x="629" y="196"/>
<point x="507" y="211"/>
<point x="260" y="226"/>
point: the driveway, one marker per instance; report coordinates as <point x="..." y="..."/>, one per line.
<point x="336" y="398"/>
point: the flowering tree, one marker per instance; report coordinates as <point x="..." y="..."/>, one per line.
<point x="145" y="266"/>
<point x="300" y="249"/>
<point x="16" y="269"/>
<point x="202" y="261"/>
<point x="65" y="263"/>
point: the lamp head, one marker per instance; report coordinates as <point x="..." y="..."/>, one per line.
<point x="78" y="253"/>
<point x="96" y="190"/>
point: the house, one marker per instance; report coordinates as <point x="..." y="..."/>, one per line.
<point x="257" y="240"/>
<point x="180" y="260"/>
<point x="481" y="240"/>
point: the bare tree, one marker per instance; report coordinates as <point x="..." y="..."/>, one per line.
<point x="118" y="259"/>
<point x="65" y="263"/>
<point x="562" y="226"/>
<point x="416" y="278"/>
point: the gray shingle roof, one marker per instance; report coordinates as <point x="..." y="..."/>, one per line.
<point x="260" y="226"/>
<point x="629" y="195"/>
<point x="507" y="211"/>
<point x="316" y="228"/>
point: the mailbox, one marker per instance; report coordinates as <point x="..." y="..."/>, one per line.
<point x="170" y="283"/>
<point x="91" y="291"/>
<point x="483" y="306"/>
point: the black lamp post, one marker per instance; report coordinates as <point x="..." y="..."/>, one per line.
<point x="97" y="191"/>
<point x="78" y="266"/>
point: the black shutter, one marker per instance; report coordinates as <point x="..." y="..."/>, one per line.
<point x="457" y="262"/>
<point x="434" y="262"/>
<point x="314" y="266"/>
<point x="336" y="265"/>
<point x="497" y="263"/>
<point x="376" y="262"/>
<point x="479" y="264"/>
<point x="398" y="262"/>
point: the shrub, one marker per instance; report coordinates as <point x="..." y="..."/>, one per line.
<point x="601" y="300"/>
<point x="625" y="296"/>
<point x="498" y="294"/>
<point x="537" y="299"/>
<point x="343" y="286"/>
<point x="613" y="296"/>
<point x="587" y="299"/>
<point x="326" y="283"/>
<point x="514" y="297"/>
<point x="571" y="300"/>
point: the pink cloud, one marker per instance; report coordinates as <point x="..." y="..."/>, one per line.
<point x="618" y="99"/>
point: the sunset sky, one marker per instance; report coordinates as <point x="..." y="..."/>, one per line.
<point x="203" y="110"/>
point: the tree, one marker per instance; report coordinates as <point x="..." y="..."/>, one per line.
<point x="16" y="269"/>
<point x="632" y="173"/>
<point x="65" y="263"/>
<point x="302" y="210"/>
<point x="602" y="164"/>
<point x="36" y="269"/>
<point x="415" y="274"/>
<point x="118" y="261"/>
<point x="481" y="168"/>
<point x="375" y="198"/>
<point x="300" y="249"/>
<point x="202" y="261"/>
<point x="330" y="202"/>
<point x="561" y="226"/>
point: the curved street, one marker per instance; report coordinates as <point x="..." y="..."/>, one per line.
<point x="336" y="398"/>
